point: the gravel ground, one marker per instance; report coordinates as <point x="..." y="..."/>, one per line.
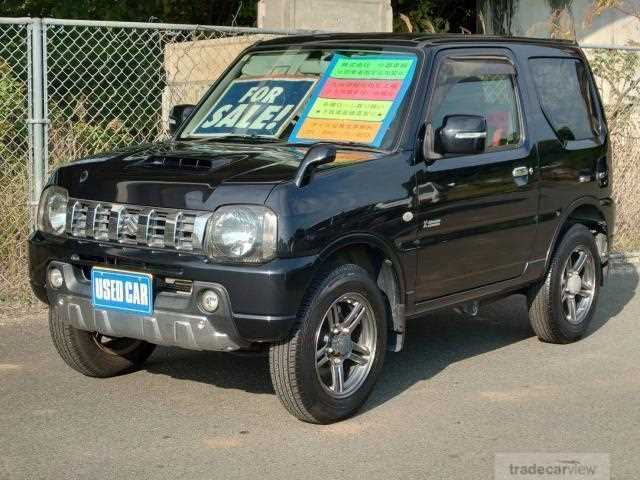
<point x="463" y="389"/>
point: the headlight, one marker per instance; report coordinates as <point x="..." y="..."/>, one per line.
<point x="242" y="233"/>
<point x="52" y="210"/>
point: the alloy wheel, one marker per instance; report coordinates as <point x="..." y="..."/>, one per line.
<point x="578" y="285"/>
<point x="346" y="345"/>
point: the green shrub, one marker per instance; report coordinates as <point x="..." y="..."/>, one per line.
<point x="14" y="216"/>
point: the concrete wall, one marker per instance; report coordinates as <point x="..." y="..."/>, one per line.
<point x="611" y="27"/>
<point x="532" y="18"/>
<point x="331" y="15"/>
<point x="191" y="67"/>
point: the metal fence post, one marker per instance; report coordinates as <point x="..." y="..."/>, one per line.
<point x="37" y="119"/>
<point x="74" y="88"/>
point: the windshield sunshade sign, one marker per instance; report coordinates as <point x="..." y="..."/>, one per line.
<point x="356" y="99"/>
<point x="261" y="107"/>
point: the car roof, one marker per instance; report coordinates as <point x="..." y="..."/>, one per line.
<point x="415" y="40"/>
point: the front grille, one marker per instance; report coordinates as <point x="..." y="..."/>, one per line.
<point x="159" y="228"/>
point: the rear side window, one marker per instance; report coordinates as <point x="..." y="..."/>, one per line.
<point x="476" y="86"/>
<point x="565" y="96"/>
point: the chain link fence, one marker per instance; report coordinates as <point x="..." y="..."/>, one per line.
<point x="617" y="72"/>
<point x="69" y="89"/>
<point x="15" y="156"/>
<point x="111" y="86"/>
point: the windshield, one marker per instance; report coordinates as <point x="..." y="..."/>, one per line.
<point x="302" y="96"/>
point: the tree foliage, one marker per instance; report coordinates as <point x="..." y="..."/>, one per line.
<point x="210" y="12"/>
<point x="434" y="15"/>
<point x="422" y="15"/>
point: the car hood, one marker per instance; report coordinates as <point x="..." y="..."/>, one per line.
<point x="181" y="175"/>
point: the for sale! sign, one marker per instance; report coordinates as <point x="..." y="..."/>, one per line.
<point x="262" y="107"/>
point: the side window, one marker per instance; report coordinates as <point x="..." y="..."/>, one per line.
<point x="467" y="86"/>
<point x="565" y="96"/>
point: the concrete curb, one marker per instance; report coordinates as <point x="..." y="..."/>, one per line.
<point x="627" y="262"/>
<point x="625" y="257"/>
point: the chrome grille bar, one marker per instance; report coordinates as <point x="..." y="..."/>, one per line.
<point x="158" y="228"/>
<point x="170" y="229"/>
<point x="154" y="234"/>
<point x="101" y="222"/>
<point x="91" y="219"/>
<point x="78" y="225"/>
<point x="114" y="221"/>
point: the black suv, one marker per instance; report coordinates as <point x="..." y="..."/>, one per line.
<point x="325" y="190"/>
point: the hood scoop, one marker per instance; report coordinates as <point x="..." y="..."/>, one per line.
<point x="174" y="162"/>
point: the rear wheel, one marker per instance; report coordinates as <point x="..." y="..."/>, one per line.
<point x="94" y="354"/>
<point x="328" y="366"/>
<point x="562" y="306"/>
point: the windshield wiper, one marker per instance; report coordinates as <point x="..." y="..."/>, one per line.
<point x="347" y="145"/>
<point x="343" y="144"/>
<point x="237" y="139"/>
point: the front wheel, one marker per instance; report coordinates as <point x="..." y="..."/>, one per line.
<point x="94" y="354"/>
<point x="328" y="366"/>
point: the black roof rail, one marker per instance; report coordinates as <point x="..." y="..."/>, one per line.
<point x="411" y="39"/>
<point x="445" y="37"/>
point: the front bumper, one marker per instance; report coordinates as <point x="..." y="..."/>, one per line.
<point x="260" y="301"/>
<point x="175" y="321"/>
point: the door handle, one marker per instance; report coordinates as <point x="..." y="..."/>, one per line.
<point x="522" y="172"/>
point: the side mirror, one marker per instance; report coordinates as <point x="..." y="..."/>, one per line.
<point x="178" y="114"/>
<point x="462" y="135"/>
<point x="317" y="155"/>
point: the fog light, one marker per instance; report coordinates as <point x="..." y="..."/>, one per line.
<point x="55" y="278"/>
<point x="209" y="301"/>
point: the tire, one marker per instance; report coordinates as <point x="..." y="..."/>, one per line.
<point x="85" y="352"/>
<point x="550" y="312"/>
<point x="315" y="394"/>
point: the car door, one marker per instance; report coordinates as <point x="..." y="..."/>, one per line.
<point x="477" y="213"/>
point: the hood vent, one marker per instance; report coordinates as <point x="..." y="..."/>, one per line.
<point x="179" y="163"/>
<point x="192" y="163"/>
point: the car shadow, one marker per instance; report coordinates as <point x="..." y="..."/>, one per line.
<point x="619" y="288"/>
<point x="433" y="343"/>
<point x="248" y="372"/>
<point x="444" y="337"/>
